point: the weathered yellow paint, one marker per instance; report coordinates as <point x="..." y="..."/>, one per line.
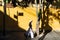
<point x="30" y="14"/>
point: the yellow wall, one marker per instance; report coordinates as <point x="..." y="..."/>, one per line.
<point x="29" y="13"/>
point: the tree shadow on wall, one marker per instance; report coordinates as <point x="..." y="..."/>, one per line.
<point x="12" y="29"/>
<point x="57" y="4"/>
<point x="45" y="23"/>
<point x="56" y="17"/>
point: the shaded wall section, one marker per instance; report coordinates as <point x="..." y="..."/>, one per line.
<point x="12" y="30"/>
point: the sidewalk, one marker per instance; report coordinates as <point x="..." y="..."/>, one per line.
<point x="54" y="35"/>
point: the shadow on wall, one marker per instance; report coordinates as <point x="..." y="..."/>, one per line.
<point x="45" y="23"/>
<point x="12" y="28"/>
<point x="56" y="16"/>
<point x="58" y="4"/>
<point x="55" y="4"/>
